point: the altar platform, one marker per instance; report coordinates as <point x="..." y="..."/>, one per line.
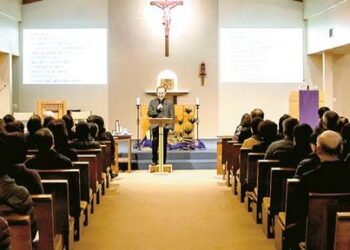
<point x="180" y="159"/>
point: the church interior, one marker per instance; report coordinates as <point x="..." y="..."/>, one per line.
<point x="254" y="152"/>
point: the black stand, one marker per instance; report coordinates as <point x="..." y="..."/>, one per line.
<point x="197" y="121"/>
<point x="137" y="145"/>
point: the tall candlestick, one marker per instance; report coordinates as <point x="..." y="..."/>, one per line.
<point x="137" y="100"/>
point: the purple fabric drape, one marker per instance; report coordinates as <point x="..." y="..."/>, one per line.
<point x="308" y="106"/>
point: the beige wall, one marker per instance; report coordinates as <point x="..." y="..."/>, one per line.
<point x="237" y="98"/>
<point x="64" y="14"/>
<point x="10" y="15"/>
<point x="11" y="8"/>
<point x="5" y="77"/>
<point x="341" y="75"/>
<point x="336" y="18"/>
<point x="137" y="56"/>
<point x="315" y="7"/>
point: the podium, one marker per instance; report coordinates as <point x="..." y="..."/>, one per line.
<point x="161" y="167"/>
<point x="303" y="105"/>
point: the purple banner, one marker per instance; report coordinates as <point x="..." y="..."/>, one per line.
<point x="308" y="107"/>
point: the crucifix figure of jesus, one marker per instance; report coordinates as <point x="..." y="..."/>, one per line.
<point x="166" y="6"/>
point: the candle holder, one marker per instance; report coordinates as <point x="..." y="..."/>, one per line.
<point x="197" y="120"/>
<point x="138" y="146"/>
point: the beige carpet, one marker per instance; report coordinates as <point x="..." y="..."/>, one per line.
<point x="184" y="210"/>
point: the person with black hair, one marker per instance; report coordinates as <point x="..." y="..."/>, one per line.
<point x="321" y="111"/>
<point x="243" y="130"/>
<point x="102" y="134"/>
<point x="255" y="138"/>
<point x="60" y="134"/>
<point x="8" y="118"/>
<point x="13" y="198"/>
<point x="281" y="149"/>
<point x="47" y="120"/>
<point x="268" y="134"/>
<point x="330" y="119"/>
<point x="83" y="139"/>
<point x="69" y="126"/>
<point x="16" y="126"/>
<point x="33" y="125"/>
<point x="28" y="178"/>
<point x="280" y="135"/>
<point x="302" y="140"/>
<point x="93" y="129"/>
<point x="47" y="157"/>
<point x="341" y="123"/>
<point x="345" y="133"/>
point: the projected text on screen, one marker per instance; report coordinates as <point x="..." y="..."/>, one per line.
<point x="65" y="56"/>
<point x="261" y="55"/>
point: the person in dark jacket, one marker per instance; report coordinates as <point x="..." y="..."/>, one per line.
<point x="83" y="139"/>
<point x="13" y="198"/>
<point x="69" y="126"/>
<point x="28" y="178"/>
<point x="47" y="157"/>
<point x="60" y="134"/>
<point x="103" y="134"/>
<point x="268" y="134"/>
<point x="33" y="125"/>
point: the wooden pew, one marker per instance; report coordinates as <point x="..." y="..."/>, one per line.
<point x="241" y="177"/>
<point x="73" y="177"/>
<point x="262" y="187"/>
<point x="87" y="196"/>
<point x="236" y="147"/>
<point x="94" y="184"/>
<point x="227" y="151"/>
<point x="276" y="200"/>
<point x="99" y="167"/>
<point x="226" y="154"/>
<point x="20" y="231"/>
<point x="44" y="211"/>
<point x="342" y="229"/>
<point x="99" y="156"/>
<point x="108" y="161"/>
<point x="290" y="223"/>
<point x="320" y="223"/>
<point x="104" y="168"/>
<point x="252" y="165"/>
<point x="64" y="223"/>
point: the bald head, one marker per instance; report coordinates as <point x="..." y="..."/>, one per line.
<point x="329" y="144"/>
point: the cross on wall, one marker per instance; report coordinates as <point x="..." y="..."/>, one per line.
<point x="166" y="6"/>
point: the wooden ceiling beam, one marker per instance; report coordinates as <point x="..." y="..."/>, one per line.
<point x="30" y="1"/>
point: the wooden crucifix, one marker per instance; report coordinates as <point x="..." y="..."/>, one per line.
<point x="166" y="6"/>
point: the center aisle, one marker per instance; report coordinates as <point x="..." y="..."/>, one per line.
<point x="188" y="209"/>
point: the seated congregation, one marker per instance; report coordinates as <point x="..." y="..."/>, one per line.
<point x="292" y="178"/>
<point x="51" y="177"/>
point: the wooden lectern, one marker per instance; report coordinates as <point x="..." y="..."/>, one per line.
<point x="161" y="167"/>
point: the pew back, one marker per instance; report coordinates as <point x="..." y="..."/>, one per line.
<point x="20" y="231"/>
<point x="342" y="229"/>
<point x="320" y="223"/>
